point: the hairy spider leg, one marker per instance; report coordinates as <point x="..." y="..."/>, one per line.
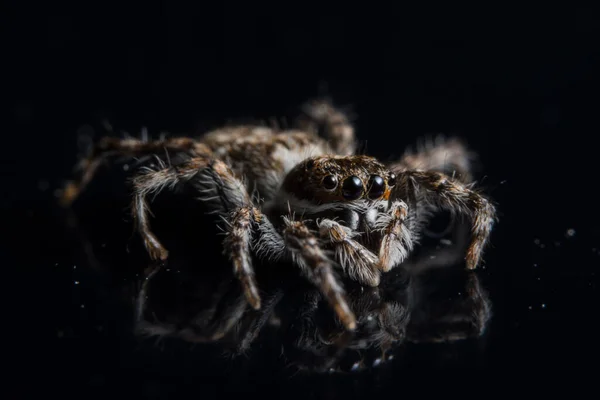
<point x="109" y="146"/>
<point x="356" y="260"/>
<point x="322" y="117"/>
<point x="426" y="189"/>
<point x="216" y="183"/>
<point x="307" y="253"/>
<point x="449" y="156"/>
<point x="396" y="238"/>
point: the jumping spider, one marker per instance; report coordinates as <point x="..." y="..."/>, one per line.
<point x="304" y="195"/>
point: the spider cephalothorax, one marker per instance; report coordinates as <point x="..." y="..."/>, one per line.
<point x="329" y="179"/>
<point x="295" y="195"/>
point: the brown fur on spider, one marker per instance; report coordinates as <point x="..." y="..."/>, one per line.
<point x="304" y="195"/>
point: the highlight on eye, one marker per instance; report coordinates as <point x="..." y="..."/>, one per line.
<point x="392" y="179"/>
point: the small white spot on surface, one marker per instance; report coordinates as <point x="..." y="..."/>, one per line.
<point x="355" y="366"/>
<point x="77" y="282"/>
<point x="570" y="232"/>
<point x="544" y="305"/>
<point x="531" y="308"/>
<point x="125" y="167"/>
<point x="83" y="306"/>
<point x="377" y="362"/>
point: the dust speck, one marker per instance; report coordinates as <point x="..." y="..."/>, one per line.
<point x="570" y="232"/>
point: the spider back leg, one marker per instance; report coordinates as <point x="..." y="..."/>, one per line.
<point x="449" y="156"/>
<point x="322" y="117"/>
<point x="218" y="188"/>
<point x="110" y="146"/>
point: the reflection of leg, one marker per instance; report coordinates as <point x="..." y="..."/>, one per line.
<point x="206" y="322"/>
<point x="259" y="321"/>
<point x="460" y="318"/>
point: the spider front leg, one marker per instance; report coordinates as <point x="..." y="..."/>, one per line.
<point x="425" y="189"/>
<point x="357" y="261"/>
<point x="307" y="253"/>
<point x="396" y="238"/>
<point x="226" y="195"/>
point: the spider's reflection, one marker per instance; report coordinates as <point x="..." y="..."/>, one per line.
<point x="195" y="298"/>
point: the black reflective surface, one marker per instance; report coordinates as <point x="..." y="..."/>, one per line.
<point x="524" y="98"/>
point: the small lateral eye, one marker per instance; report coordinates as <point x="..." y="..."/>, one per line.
<point x="391" y="179"/>
<point x="330" y="182"/>
<point x="376" y="187"/>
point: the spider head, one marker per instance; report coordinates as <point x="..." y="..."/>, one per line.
<point x="337" y="179"/>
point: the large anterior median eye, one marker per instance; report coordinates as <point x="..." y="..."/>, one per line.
<point x="376" y="187"/>
<point x="330" y="182"/>
<point x="352" y="188"/>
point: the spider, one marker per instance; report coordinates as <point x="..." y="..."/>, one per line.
<point x="303" y="195"/>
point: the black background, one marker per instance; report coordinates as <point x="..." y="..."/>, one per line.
<point x="519" y="84"/>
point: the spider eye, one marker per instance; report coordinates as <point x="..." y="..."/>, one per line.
<point x="352" y="188"/>
<point x="376" y="187"/>
<point x="392" y="179"/>
<point x="330" y="182"/>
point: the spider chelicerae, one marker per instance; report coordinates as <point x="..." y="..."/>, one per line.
<point x="304" y="195"/>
